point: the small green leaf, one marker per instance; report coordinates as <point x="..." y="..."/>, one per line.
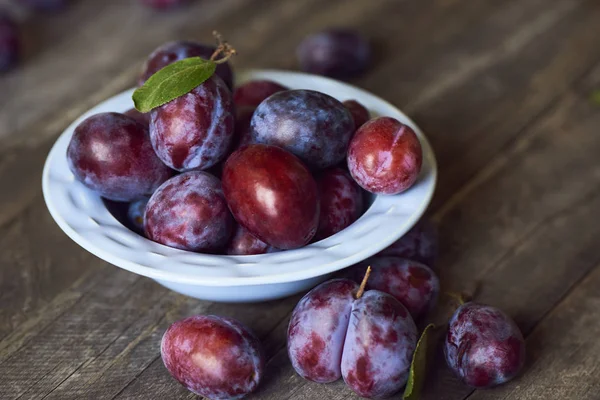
<point x="595" y="97"/>
<point x="172" y="81"/>
<point x="418" y="366"/>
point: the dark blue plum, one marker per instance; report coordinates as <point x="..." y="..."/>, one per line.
<point x="9" y="42"/>
<point x="312" y="125"/>
<point x="135" y="215"/>
<point x="170" y="52"/>
<point x="339" y="53"/>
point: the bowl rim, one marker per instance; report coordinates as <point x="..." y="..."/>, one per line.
<point x="88" y="239"/>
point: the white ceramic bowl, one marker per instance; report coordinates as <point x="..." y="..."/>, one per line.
<point x="81" y="214"/>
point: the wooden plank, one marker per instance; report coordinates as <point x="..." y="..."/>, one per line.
<point x="563" y="351"/>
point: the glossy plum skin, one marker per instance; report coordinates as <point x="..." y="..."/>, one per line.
<point x="214" y="357"/>
<point x="272" y="194"/>
<point x="484" y="347"/>
<point x="189" y="212"/>
<point x="252" y="93"/>
<point x="341" y="202"/>
<point x="360" y="114"/>
<point x="379" y="347"/>
<point x="385" y="156"/>
<point x="419" y="244"/>
<point x="413" y="284"/>
<point x="318" y="328"/>
<point x="194" y="131"/>
<point x="111" y="154"/>
<point x="170" y="52"/>
<point x="135" y="215"/>
<point x="142" y="118"/>
<point x="244" y="243"/>
<point x="339" y="53"/>
<point x="312" y="125"/>
<point x="9" y="42"/>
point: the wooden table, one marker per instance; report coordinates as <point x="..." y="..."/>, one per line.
<point x="502" y="89"/>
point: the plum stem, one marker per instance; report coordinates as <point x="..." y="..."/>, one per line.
<point x="461" y="298"/>
<point x="363" y="284"/>
<point x="223" y="50"/>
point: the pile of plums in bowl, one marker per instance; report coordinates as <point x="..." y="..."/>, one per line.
<point x="260" y="168"/>
<point x="255" y="170"/>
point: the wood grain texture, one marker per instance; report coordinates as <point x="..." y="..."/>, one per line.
<point x="501" y="88"/>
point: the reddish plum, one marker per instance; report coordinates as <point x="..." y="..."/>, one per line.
<point x="9" y="42"/>
<point x="252" y="93"/>
<point x="135" y="215"/>
<point x="419" y="244"/>
<point x="385" y="156"/>
<point x="318" y="328"/>
<point x="341" y="202"/>
<point x="484" y="347"/>
<point x="244" y="243"/>
<point x="170" y="52"/>
<point x="111" y="154"/>
<point x="360" y="114"/>
<point x="413" y="284"/>
<point x="189" y="212"/>
<point x="339" y="53"/>
<point x="272" y="194"/>
<point x="194" y="131"/>
<point x="214" y="357"/>
<point x="312" y="125"/>
<point x="379" y="347"/>
<point x="142" y="118"/>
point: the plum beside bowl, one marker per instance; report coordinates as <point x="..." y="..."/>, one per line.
<point x="82" y="215"/>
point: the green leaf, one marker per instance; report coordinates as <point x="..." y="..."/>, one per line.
<point x="595" y="97"/>
<point x="418" y="367"/>
<point x="172" y="81"/>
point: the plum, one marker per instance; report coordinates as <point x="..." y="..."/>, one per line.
<point x="341" y="202"/>
<point x="244" y="243"/>
<point x="312" y="125"/>
<point x="252" y="93"/>
<point x="214" y="357"/>
<point x="9" y="42"/>
<point x="142" y="118"/>
<point x="385" y="156"/>
<point x="339" y="53"/>
<point x="170" y="52"/>
<point x="379" y="346"/>
<point x="413" y="284"/>
<point x="360" y="114"/>
<point x="317" y="330"/>
<point x="111" y="154"/>
<point x="194" y="131"/>
<point x="420" y="243"/>
<point x="272" y="194"/>
<point x="135" y="215"/>
<point x="484" y="347"/>
<point x="368" y="338"/>
<point x="189" y="212"/>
